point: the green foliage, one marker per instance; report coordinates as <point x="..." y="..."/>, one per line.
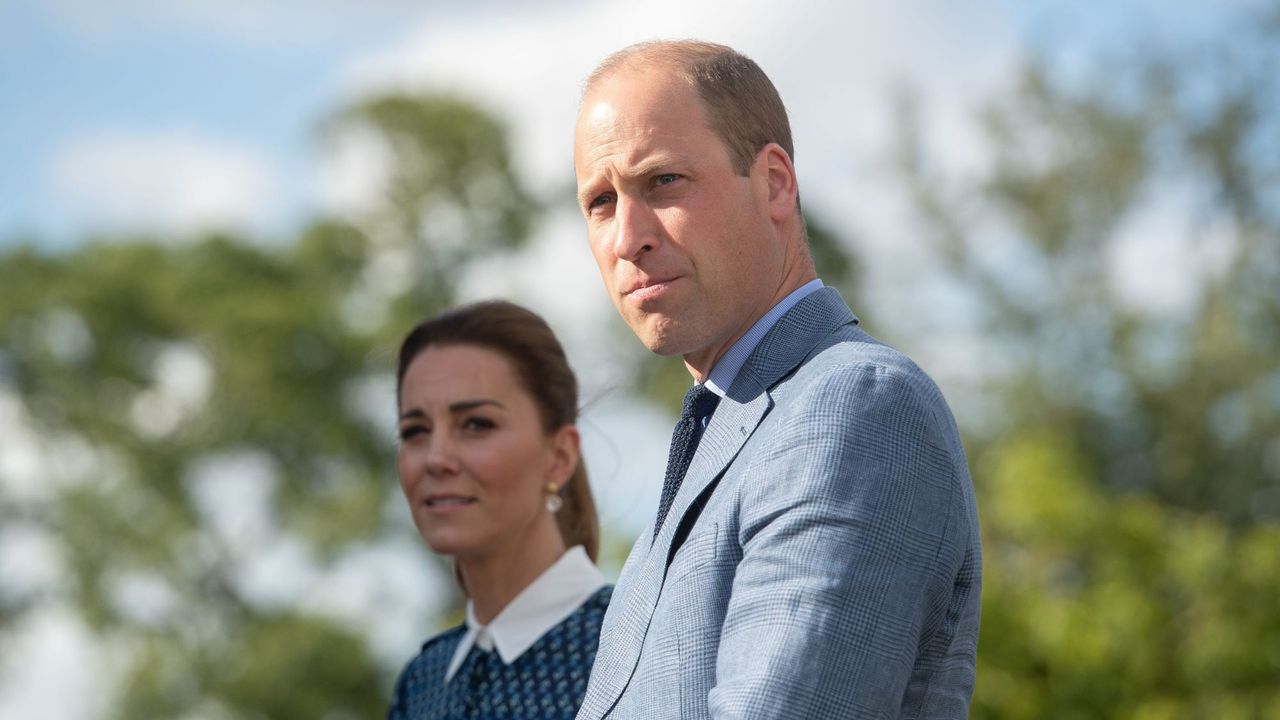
<point x="1162" y="399"/>
<point x="266" y="666"/>
<point x="452" y="194"/>
<point x="139" y="364"/>
<point x="1130" y="493"/>
<point x="1098" y="606"/>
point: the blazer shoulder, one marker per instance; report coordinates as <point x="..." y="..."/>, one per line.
<point x="851" y="379"/>
<point x="851" y="355"/>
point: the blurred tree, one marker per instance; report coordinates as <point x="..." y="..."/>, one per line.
<point x="449" y="195"/>
<point x="1129" y="477"/>
<point x="149" y="373"/>
<point x="1098" y="606"/>
<point x="1176" y="390"/>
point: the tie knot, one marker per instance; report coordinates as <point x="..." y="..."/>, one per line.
<point x="699" y="402"/>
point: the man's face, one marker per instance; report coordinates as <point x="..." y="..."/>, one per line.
<point x="685" y="245"/>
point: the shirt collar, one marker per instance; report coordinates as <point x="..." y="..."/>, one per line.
<point x="726" y="369"/>
<point x="548" y="600"/>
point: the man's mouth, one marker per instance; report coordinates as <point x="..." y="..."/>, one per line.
<point x="647" y="289"/>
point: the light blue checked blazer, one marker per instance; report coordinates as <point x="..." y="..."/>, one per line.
<point x="822" y="557"/>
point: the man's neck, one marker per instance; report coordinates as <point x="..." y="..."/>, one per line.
<point x="701" y="362"/>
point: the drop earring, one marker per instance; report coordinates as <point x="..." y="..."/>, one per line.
<point x="554" y="502"/>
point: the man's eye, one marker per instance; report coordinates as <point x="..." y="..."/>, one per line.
<point x="666" y="179"/>
<point x="599" y="201"/>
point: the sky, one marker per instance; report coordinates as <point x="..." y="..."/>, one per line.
<point x="175" y="118"/>
<point x="146" y="115"/>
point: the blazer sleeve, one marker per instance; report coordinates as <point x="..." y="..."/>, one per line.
<point x="853" y="529"/>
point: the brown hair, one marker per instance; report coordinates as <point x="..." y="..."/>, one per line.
<point x="742" y="104"/>
<point x="526" y="341"/>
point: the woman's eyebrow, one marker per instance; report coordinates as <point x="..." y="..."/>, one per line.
<point x="465" y="405"/>
<point x="459" y="407"/>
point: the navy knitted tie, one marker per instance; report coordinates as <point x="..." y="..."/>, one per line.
<point x="699" y="403"/>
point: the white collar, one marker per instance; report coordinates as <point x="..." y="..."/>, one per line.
<point x="548" y="600"/>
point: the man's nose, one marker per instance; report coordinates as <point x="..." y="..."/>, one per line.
<point x="635" y="229"/>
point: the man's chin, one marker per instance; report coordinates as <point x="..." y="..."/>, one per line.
<point x="663" y="341"/>
<point x="652" y="332"/>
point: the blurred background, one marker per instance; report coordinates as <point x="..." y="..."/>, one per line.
<point x="217" y="219"/>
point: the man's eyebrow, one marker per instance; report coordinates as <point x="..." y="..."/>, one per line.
<point x="588" y="192"/>
<point x="650" y="166"/>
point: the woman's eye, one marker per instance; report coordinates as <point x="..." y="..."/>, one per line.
<point x="478" y="424"/>
<point x="412" y="431"/>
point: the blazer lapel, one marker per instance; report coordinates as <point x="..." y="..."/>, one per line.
<point x="796" y="336"/>
<point x="726" y="434"/>
<point x="627" y="621"/>
<point x="793" y="338"/>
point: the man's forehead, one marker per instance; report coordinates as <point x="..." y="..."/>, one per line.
<point x="656" y="84"/>
<point x="641" y="107"/>
<point x="632" y="143"/>
<point x="597" y="113"/>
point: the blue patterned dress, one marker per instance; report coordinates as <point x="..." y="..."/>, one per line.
<point x="547" y="681"/>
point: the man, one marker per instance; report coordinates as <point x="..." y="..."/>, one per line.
<point x="819" y="557"/>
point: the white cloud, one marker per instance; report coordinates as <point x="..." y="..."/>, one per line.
<point x="51" y="666"/>
<point x="234" y="493"/>
<point x="32" y="561"/>
<point x="35" y="465"/>
<point x="183" y="378"/>
<point x="144" y="597"/>
<point x="353" y="171"/>
<point x="20" y="460"/>
<point x="277" y="573"/>
<point x="832" y="62"/>
<point x="274" y="24"/>
<point x="1161" y="256"/>
<point x="173" y="181"/>
<point x="387" y="592"/>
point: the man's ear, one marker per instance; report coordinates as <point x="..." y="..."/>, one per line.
<point x="779" y="175"/>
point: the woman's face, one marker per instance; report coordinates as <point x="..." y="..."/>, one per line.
<point x="474" y="461"/>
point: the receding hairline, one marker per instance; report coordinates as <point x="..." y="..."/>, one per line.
<point x="674" y="56"/>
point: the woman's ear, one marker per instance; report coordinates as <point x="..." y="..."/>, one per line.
<point x="566" y="452"/>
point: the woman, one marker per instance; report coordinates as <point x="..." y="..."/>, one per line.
<point x="489" y="462"/>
